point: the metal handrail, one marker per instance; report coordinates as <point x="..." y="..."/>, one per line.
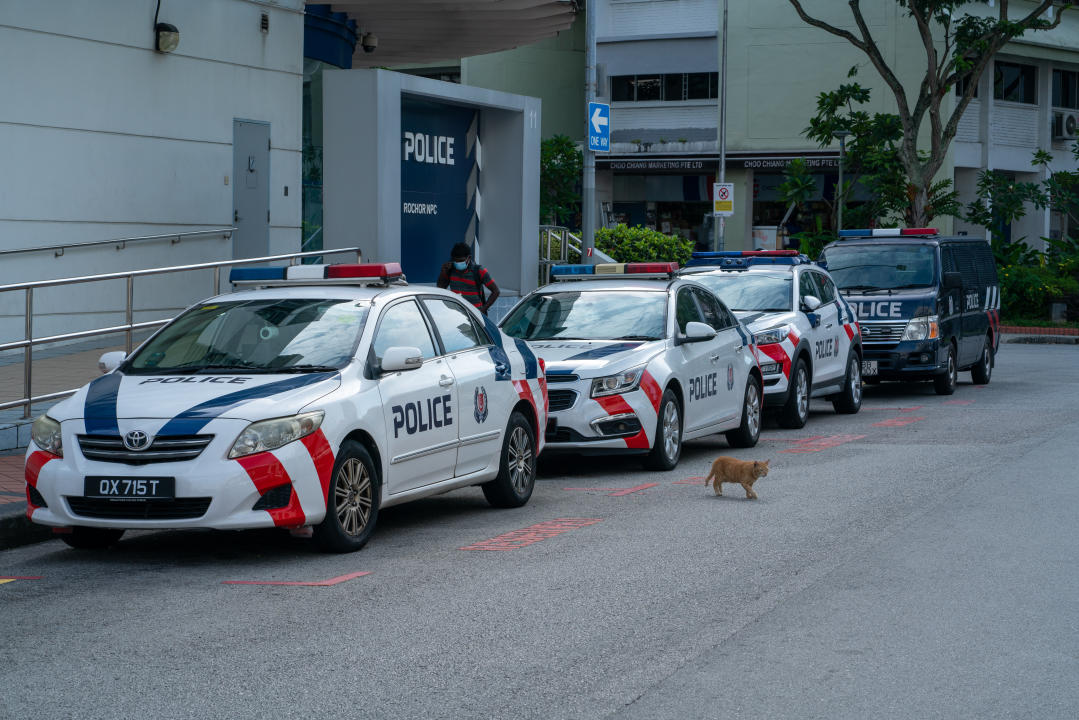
<point x="121" y="243"/>
<point x="129" y="327"/>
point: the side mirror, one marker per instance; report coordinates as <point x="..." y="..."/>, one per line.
<point x="401" y="358"/>
<point x="110" y="361"/>
<point x="952" y="281"/>
<point x="696" y="332"/>
<point x="810" y="302"/>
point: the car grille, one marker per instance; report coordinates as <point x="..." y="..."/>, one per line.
<point x="164" y="448"/>
<point x="883" y="332"/>
<point x="556" y="378"/>
<point x="561" y="399"/>
<point x="187" y="508"/>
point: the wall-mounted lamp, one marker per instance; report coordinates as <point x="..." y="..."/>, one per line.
<point x="166" y="37"/>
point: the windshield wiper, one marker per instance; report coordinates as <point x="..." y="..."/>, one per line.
<point x="860" y="287"/>
<point x="910" y="285"/>
<point x="637" y="337"/>
<point x="303" y="368"/>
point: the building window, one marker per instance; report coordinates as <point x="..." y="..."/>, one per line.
<point x="1015" y="83"/>
<point x="963" y="84"/>
<point x="671" y="87"/>
<point x="1066" y="89"/>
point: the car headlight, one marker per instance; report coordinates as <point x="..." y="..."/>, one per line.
<point x="272" y="434"/>
<point x="926" y="327"/>
<point x="45" y="432"/>
<point x="617" y="384"/>
<point x="772" y="335"/>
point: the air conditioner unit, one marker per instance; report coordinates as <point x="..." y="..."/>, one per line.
<point x="1065" y="126"/>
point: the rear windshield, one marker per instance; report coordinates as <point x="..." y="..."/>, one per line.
<point x="881" y="267"/>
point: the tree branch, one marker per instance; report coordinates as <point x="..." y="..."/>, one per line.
<point x="845" y="34"/>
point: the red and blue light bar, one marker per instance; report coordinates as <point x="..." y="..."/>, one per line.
<point x="580" y="272"/>
<point x="741" y="259"/>
<point x="381" y="272"/>
<point x="889" y="232"/>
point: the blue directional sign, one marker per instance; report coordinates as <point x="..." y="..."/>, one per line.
<point x="599" y="127"/>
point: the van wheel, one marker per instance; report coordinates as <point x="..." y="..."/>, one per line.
<point x="352" y="505"/>
<point x="849" y="401"/>
<point x="982" y="373"/>
<point x="517" y="468"/>
<point x="746" y="435"/>
<point x="795" y="410"/>
<point x="945" y="383"/>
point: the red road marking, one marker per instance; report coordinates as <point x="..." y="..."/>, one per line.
<point x="820" y="442"/>
<point x="910" y="409"/>
<point x="531" y="534"/>
<point x="693" y="480"/>
<point x="21" y="577"/>
<point x="898" y="421"/>
<point x="959" y="402"/>
<point x="618" y="492"/>
<point x="322" y="583"/>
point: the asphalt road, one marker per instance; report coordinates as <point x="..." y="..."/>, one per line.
<point x="923" y="567"/>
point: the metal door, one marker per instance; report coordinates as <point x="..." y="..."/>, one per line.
<point x="250" y="188"/>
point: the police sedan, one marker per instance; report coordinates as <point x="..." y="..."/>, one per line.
<point x="807" y="336"/>
<point x="639" y="360"/>
<point x="308" y="399"/>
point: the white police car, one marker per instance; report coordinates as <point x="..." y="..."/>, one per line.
<point x="639" y="360"/>
<point x="807" y="336"/>
<point x="308" y="403"/>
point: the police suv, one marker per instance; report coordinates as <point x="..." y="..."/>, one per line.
<point x="929" y="306"/>
<point x="806" y="334"/>
<point x="307" y="401"/>
<point x="639" y="360"/>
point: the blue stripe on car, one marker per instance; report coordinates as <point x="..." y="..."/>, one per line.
<point x="531" y="364"/>
<point x="602" y="352"/>
<point x="193" y="419"/>
<point x="498" y="353"/>
<point x="100" y="408"/>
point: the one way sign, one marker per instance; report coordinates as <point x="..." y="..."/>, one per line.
<point x="599" y="127"/>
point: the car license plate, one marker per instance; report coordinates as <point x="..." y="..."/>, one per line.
<point x="869" y="367"/>
<point x="130" y="488"/>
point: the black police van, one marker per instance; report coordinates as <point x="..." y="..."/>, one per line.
<point x="928" y="306"/>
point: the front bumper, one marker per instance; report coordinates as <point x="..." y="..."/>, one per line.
<point x="908" y="360"/>
<point x="211" y="491"/>
<point x="600" y="426"/>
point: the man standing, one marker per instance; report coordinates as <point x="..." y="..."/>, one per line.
<point x="468" y="279"/>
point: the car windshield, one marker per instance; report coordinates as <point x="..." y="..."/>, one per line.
<point x="590" y="315"/>
<point x="881" y="267"/>
<point x="281" y="335"/>
<point x="747" y="291"/>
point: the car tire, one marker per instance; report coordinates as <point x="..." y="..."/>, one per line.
<point x="667" y="446"/>
<point x="795" y="411"/>
<point x="849" y="401"/>
<point x="352" y="502"/>
<point x="91" y="538"/>
<point x="946" y="382"/>
<point x="747" y="434"/>
<point x="982" y="373"/>
<point x="516" y="466"/>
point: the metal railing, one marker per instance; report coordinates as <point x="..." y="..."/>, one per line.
<point x="549" y="234"/>
<point x="128" y="328"/>
<point x="121" y="243"/>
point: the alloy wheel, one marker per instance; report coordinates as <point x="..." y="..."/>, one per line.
<point x="353" y="496"/>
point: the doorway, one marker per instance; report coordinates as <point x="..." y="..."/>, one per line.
<point x="250" y="188"/>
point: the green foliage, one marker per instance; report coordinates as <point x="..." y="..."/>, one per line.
<point x="1027" y="290"/>
<point x="639" y="244"/>
<point x="561" y="164"/>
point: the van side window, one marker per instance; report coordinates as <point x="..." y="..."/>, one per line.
<point x="987" y="267"/>
<point x="965" y="263"/>
<point x="947" y="258"/>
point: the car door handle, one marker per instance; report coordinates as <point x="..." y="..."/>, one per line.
<point x="445" y="381"/>
<point x="715" y="357"/>
<point x="828" y="326"/>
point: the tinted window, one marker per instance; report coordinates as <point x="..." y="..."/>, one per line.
<point x="649" y="87"/>
<point x="749" y="291"/>
<point x="1015" y="83"/>
<point x="686" y="310"/>
<point x="807" y="285"/>
<point x="672" y="87"/>
<point x="403" y="325"/>
<point x="947" y="258"/>
<point x="966" y="263"/>
<point x="714" y="314"/>
<point x="987" y="267"/>
<point x="882" y="267"/>
<point x="622" y="88"/>
<point x="827" y="288"/>
<point x="590" y="315"/>
<point x="697" y="86"/>
<point x="453" y="325"/>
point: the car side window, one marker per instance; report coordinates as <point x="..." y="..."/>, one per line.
<point x="403" y="325"/>
<point x="685" y="309"/>
<point x="714" y="314"/>
<point x="827" y="287"/>
<point x="807" y="285"/>
<point x="452" y="324"/>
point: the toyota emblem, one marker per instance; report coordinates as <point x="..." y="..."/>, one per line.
<point x="136" y="440"/>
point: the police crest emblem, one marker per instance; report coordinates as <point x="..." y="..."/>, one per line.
<point x="480" y="404"/>
<point x="730" y="376"/>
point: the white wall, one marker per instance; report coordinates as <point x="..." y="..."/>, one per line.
<point x="655" y="18"/>
<point x="101" y="137"/>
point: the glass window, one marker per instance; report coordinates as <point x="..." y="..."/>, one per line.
<point x="826" y="286"/>
<point x="714" y="313"/>
<point x="1015" y="83"/>
<point x="807" y="285"/>
<point x="649" y="87"/>
<point x="402" y="325"/>
<point x="697" y="86"/>
<point x="622" y="88"/>
<point x="963" y="84"/>
<point x="713" y="85"/>
<point x="453" y="325"/>
<point x="882" y="267"/>
<point x="749" y="291"/>
<point x="672" y="87"/>
<point x="686" y="310"/>
<point x="271" y="335"/>
<point x="1065" y="89"/>
<point x="590" y="315"/>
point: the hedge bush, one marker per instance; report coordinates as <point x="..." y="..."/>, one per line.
<point x="639" y="244"/>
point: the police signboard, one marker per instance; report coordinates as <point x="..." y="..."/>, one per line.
<point x="599" y="127"/>
<point x="723" y="199"/>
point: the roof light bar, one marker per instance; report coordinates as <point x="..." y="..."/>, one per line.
<point x="305" y="272"/>
<point x="640" y="269"/>
<point x="888" y="232"/>
<point x="249" y="274"/>
<point x="342" y="274"/>
<point x="741" y="259"/>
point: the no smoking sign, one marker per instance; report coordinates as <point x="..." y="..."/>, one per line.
<point x="723" y="199"/>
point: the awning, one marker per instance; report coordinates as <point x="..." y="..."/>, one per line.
<point x="424" y="31"/>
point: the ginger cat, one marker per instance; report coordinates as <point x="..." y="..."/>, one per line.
<point x="732" y="470"/>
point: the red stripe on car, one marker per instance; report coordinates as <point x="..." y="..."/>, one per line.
<point x="777" y="353"/>
<point x="321" y="454"/>
<point x="651" y="389"/>
<point x="267" y="473"/>
<point x="793" y="337"/>
<point x="34" y="463"/>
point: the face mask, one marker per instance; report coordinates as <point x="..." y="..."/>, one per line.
<point x="461" y="265"/>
